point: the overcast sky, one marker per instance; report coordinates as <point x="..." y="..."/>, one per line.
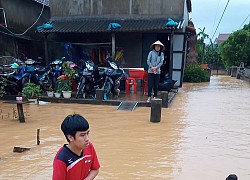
<point x="207" y="13"/>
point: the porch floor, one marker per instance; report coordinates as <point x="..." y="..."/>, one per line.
<point x="138" y="97"/>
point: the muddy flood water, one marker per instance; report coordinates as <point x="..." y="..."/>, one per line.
<point x="204" y="134"/>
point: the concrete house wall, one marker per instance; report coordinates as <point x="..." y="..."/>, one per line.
<point x="157" y="8"/>
<point x="21" y="14"/>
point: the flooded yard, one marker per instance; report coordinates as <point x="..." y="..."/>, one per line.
<point x="204" y="135"/>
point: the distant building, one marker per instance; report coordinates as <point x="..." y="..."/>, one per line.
<point x="221" y="38"/>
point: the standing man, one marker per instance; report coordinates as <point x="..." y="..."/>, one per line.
<point x="154" y="61"/>
<point x="76" y="160"/>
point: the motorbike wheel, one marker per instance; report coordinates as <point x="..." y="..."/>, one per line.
<point x="25" y="80"/>
<point x="54" y="82"/>
<point x="11" y="88"/>
<point x="46" y="84"/>
<point x="80" y="88"/>
<point x="107" y="89"/>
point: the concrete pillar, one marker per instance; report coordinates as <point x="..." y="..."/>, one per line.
<point x="113" y="45"/>
<point x="233" y="71"/>
<point x="156" y="105"/>
<point x="46" y="53"/>
<point x="99" y="94"/>
<point x="171" y="58"/>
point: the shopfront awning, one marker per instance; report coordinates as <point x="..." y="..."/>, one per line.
<point x="100" y="25"/>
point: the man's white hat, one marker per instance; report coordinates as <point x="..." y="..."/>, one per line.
<point x="158" y="43"/>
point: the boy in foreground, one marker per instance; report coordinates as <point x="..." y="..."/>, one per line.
<point x="78" y="159"/>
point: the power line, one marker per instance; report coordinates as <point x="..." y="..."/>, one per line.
<point x="244" y="20"/>
<point x="215" y="16"/>
<point x="221" y="18"/>
<point x="14" y="34"/>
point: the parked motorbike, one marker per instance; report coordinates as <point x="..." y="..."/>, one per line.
<point x="37" y="75"/>
<point x="56" y="71"/>
<point x="113" y="75"/>
<point x="168" y="85"/>
<point x="13" y="78"/>
<point x="89" y="79"/>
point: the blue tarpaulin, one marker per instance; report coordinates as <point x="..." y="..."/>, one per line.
<point x="171" y="23"/>
<point x="113" y="26"/>
<point x="45" y="27"/>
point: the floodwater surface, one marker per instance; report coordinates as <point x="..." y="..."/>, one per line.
<point x="204" y="135"/>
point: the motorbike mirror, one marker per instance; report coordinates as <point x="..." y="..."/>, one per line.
<point x="113" y="65"/>
<point x="39" y="58"/>
<point x="63" y="59"/>
<point x="89" y="67"/>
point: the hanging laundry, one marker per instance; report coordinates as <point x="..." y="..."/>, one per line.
<point x="94" y="55"/>
<point x="119" y="55"/>
<point x="100" y="56"/>
<point x="103" y="55"/>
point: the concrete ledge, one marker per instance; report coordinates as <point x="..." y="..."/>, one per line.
<point x="115" y="102"/>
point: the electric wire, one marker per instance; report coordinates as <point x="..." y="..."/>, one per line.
<point x="21" y="34"/>
<point x="221" y="18"/>
<point x="215" y="16"/>
<point x="244" y="20"/>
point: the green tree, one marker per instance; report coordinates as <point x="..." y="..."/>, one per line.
<point x="194" y="73"/>
<point x="236" y="48"/>
<point x="247" y="27"/>
<point x="212" y="55"/>
<point x="201" y="45"/>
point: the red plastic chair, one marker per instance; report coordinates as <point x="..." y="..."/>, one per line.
<point x="136" y="73"/>
<point x="145" y="83"/>
<point x="129" y="83"/>
<point x="142" y="75"/>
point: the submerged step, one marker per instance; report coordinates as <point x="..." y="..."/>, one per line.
<point x="127" y="105"/>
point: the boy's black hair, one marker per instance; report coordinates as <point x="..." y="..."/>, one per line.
<point x="73" y="123"/>
<point x="232" y="177"/>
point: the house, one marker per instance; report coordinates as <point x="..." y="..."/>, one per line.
<point x="19" y="20"/>
<point x="81" y="30"/>
<point x="222" y="37"/>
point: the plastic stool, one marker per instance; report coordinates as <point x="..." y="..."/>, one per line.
<point x="131" y="82"/>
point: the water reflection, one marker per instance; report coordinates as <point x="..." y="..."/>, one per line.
<point x="203" y="135"/>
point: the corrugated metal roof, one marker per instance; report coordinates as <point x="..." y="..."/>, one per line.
<point x="45" y="2"/>
<point x="94" y="25"/>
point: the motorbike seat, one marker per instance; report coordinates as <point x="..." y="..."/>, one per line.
<point x="41" y="70"/>
<point x="102" y="73"/>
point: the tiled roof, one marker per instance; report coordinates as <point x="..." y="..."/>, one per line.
<point x="222" y="37"/>
<point x="93" y="25"/>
